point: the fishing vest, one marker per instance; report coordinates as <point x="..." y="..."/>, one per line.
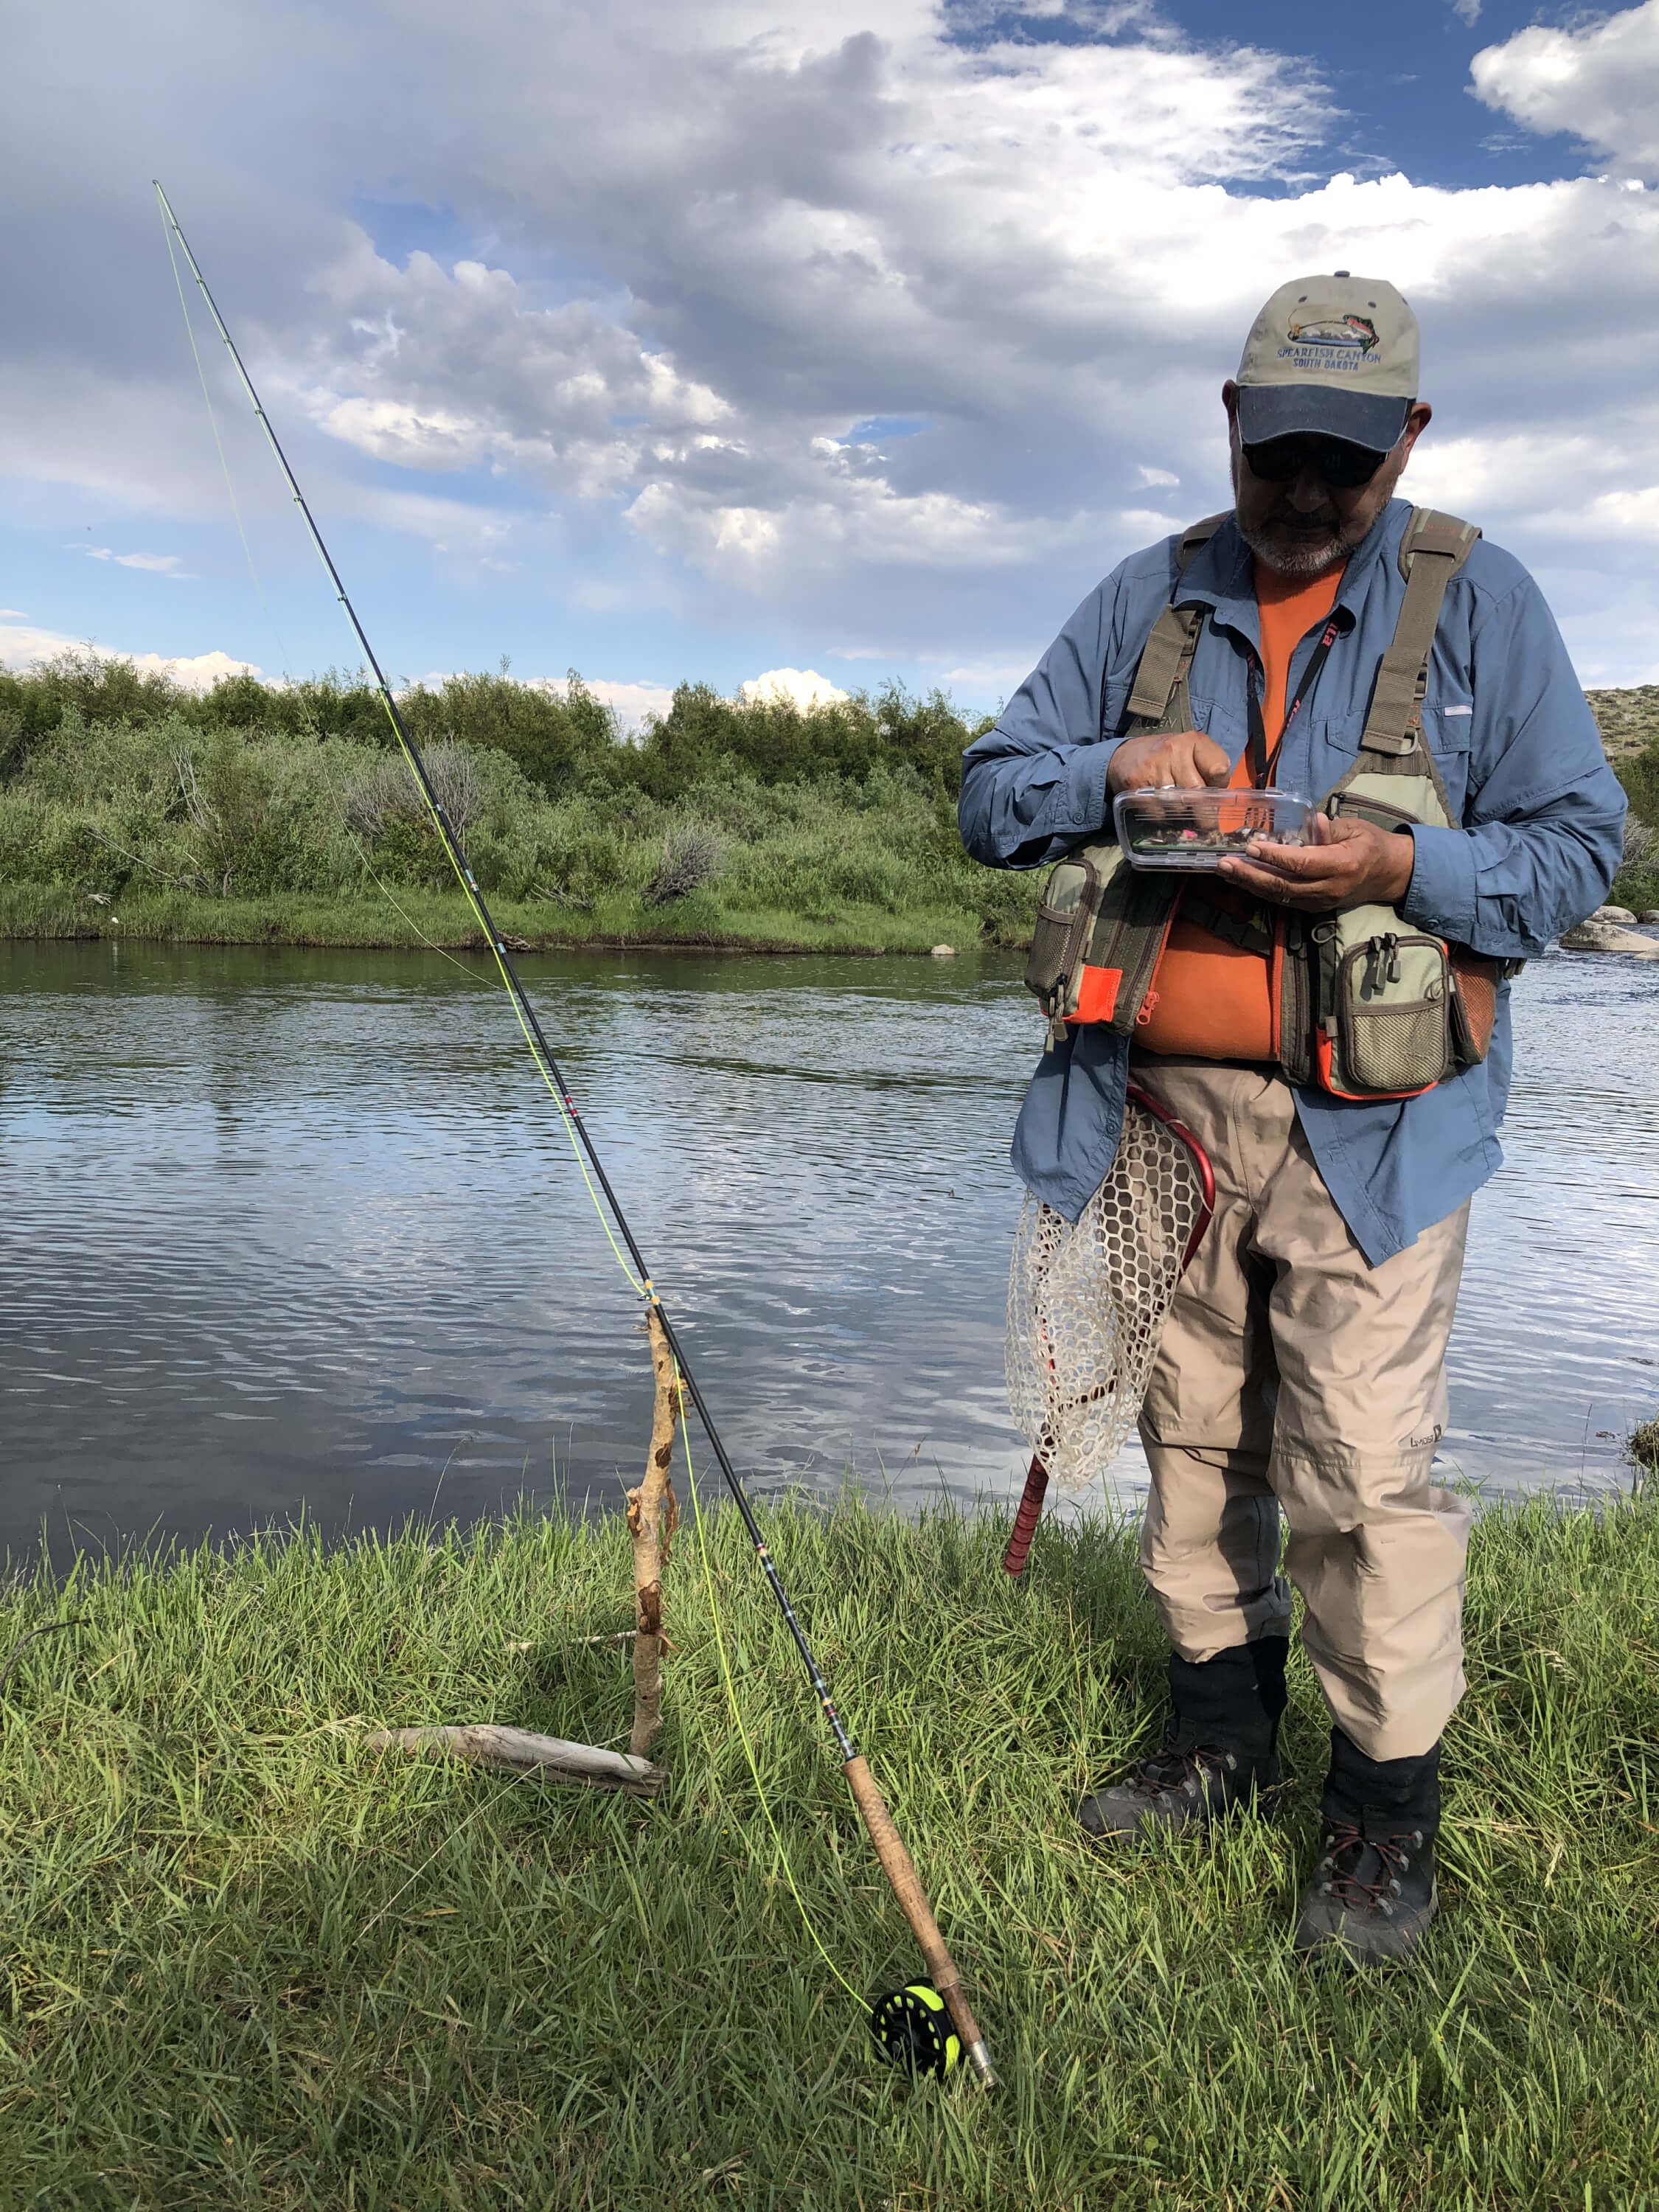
<point x="1364" y="1004"/>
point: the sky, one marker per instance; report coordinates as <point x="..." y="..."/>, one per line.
<point x="669" y="339"/>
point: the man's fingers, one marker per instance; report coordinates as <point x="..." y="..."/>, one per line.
<point x="1298" y="859"/>
<point x="1274" y="890"/>
<point x="1213" y="764"/>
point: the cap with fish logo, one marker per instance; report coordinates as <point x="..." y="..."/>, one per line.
<point x="1331" y="357"/>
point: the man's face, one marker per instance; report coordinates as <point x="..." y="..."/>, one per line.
<point x="1302" y="525"/>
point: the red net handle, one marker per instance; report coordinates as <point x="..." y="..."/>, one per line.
<point x="1025" y="1521"/>
<point x="1036" y="1481"/>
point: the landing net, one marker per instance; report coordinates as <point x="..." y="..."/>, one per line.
<point x="1087" y="1301"/>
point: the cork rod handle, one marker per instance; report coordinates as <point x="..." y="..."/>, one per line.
<point x="897" y="1866"/>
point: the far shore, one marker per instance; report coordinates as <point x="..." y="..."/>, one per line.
<point x="443" y="919"/>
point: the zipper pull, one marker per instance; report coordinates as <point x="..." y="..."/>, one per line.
<point x="1148" y="1006"/>
<point x="1392" y="944"/>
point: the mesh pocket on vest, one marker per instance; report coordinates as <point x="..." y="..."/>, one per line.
<point x="1398" y="1047"/>
<point x="1395" y="1014"/>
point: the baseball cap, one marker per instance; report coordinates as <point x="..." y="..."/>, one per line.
<point x="1333" y="356"/>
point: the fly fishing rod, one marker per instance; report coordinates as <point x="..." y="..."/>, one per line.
<point x="905" y="2021"/>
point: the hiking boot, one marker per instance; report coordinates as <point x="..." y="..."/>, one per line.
<point x="1184" y="1785"/>
<point x="1217" y="1751"/>
<point x="1373" y="1892"/>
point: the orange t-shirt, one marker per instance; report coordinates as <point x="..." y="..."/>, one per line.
<point x="1209" y="998"/>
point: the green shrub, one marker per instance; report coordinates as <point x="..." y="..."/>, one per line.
<point x="555" y="743"/>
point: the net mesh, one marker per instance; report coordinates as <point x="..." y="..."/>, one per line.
<point x="1087" y="1301"/>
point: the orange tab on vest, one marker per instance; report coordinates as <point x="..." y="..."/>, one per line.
<point x="1096" y="996"/>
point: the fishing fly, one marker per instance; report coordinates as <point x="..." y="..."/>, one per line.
<point x="909" y="2024"/>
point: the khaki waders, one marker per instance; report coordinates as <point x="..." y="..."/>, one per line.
<point x="1295" y="1378"/>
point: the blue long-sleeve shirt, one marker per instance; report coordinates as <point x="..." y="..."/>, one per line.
<point x="1542" y="817"/>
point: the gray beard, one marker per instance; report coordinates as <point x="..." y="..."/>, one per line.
<point x="1299" y="564"/>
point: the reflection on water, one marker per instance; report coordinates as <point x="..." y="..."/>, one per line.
<point x="288" y="1230"/>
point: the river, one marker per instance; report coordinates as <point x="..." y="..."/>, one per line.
<point x="290" y="1232"/>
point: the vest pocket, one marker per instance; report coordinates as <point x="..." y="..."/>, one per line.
<point x="1394" y="1001"/>
<point x="1356" y="807"/>
<point x="1065" y="914"/>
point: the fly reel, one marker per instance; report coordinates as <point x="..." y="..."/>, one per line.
<point x="913" y="2029"/>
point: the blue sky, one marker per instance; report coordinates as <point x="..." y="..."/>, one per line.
<point x="664" y="340"/>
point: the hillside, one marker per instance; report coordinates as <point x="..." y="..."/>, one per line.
<point x="1628" y="720"/>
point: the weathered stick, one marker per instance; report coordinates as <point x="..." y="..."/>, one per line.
<point x="654" y="1513"/>
<point x="521" y="1753"/>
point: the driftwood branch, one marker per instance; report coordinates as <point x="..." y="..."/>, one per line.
<point x="653" y="1515"/>
<point x="521" y="1753"/>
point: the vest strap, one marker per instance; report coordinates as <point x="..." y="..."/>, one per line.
<point x="1170" y="649"/>
<point x="1249" y="932"/>
<point x="1168" y="655"/>
<point x="1435" y="546"/>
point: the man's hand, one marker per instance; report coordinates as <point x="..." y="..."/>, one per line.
<point x="1351" y="863"/>
<point x="1187" y="757"/>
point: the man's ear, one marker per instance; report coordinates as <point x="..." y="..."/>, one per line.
<point x="1230" y="401"/>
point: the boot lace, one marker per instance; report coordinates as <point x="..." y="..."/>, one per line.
<point x="1171" y="1770"/>
<point x="1345" y="1857"/>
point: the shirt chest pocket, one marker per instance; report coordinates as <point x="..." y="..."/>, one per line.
<point x="1332" y="744"/>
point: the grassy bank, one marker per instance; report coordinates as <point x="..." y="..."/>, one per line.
<point x="412" y="918"/>
<point x="249" y="1964"/>
<point x="263" y="814"/>
<point x="260" y="814"/>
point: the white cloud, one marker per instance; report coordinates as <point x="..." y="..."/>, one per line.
<point x="21" y="644"/>
<point x="195" y="671"/>
<point x="695" y="244"/>
<point x="801" y="687"/>
<point x="1600" y="80"/>
<point x="164" y="564"/>
<point x="630" y="703"/>
<point x="465" y="368"/>
<point x="1466" y="11"/>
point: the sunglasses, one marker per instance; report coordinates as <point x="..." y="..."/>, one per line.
<point x="1278" y="460"/>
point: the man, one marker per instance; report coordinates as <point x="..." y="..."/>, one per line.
<point x="1302" y="1370"/>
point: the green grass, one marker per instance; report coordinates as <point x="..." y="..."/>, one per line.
<point x="705" y="917"/>
<point x="249" y="1963"/>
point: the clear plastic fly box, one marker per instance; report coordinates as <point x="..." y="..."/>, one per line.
<point x="1175" y="828"/>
